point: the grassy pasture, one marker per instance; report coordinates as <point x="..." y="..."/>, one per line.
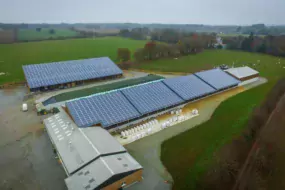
<point x="13" y="56"/>
<point x="32" y="34"/>
<point x="265" y="64"/>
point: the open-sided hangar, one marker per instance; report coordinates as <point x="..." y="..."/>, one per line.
<point x="124" y="106"/>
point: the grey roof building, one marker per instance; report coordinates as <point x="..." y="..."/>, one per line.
<point x="91" y="157"/>
<point x="102" y="172"/>
<point x="243" y="73"/>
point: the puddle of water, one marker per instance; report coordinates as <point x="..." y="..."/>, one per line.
<point x="11" y="96"/>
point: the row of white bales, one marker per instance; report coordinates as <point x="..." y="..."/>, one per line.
<point x="146" y="128"/>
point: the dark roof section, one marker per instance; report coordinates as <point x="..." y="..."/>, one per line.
<point x="151" y="97"/>
<point x="217" y="78"/>
<point x="106" y="109"/>
<point x="189" y="87"/>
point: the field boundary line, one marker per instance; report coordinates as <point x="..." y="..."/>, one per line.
<point x="253" y="148"/>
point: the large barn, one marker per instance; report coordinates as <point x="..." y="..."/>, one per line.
<point x="131" y="105"/>
<point x="47" y="76"/>
<point x="91" y="157"/>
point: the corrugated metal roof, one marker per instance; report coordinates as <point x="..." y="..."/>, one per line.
<point x="89" y="155"/>
<point x="242" y="72"/>
<point x="78" y="146"/>
<point x="47" y="74"/>
<point x="102" y="169"/>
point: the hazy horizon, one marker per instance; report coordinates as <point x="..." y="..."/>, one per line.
<point x="206" y="12"/>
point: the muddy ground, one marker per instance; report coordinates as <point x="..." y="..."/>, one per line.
<point x="27" y="160"/>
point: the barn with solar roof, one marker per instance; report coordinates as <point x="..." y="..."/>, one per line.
<point x="64" y="74"/>
<point x="127" y="106"/>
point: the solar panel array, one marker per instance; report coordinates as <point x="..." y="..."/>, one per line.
<point x="189" y="87"/>
<point x="47" y="74"/>
<point x="217" y="78"/>
<point x="129" y="103"/>
<point x="107" y="109"/>
<point x="151" y="97"/>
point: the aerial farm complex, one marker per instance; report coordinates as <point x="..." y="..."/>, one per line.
<point x="81" y="132"/>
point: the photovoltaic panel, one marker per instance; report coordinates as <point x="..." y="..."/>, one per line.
<point x="47" y="74"/>
<point x="189" y="87"/>
<point x="151" y="97"/>
<point x="107" y="109"/>
<point x="217" y="78"/>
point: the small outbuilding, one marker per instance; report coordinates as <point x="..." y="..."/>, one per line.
<point x="243" y="73"/>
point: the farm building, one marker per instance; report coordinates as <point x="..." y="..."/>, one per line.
<point x="117" y="109"/>
<point x="243" y="73"/>
<point x="48" y="76"/>
<point x="91" y="157"/>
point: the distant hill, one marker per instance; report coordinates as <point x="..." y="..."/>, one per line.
<point x="259" y="29"/>
<point x="44" y="33"/>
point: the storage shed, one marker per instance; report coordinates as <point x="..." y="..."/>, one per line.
<point x="243" y="73"/>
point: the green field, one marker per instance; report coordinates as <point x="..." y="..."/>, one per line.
<point x="32" y="34"/>
<point x="265" y="64"/>
<point x="187" y="156"/>
<point x="13" y="56"/>
<point x="102" y="88"/>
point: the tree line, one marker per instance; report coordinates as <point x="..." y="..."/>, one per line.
<point x="153" y="50"/>
<point x="273" y="45"/>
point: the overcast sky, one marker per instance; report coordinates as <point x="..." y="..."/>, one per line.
<point x="222" y="12"/>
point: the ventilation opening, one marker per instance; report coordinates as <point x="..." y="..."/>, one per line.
<point x="119" y="158"/>
<point x="87" y="187"/>
<point x="86" y="173"/>
<point x="125" y="165"/>
<point x="91" y="180"/>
